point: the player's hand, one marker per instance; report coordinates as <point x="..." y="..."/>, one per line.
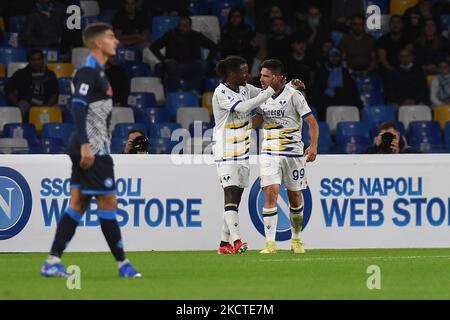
<point x="87" y="158"/>
<point x="311" y="153"/>
<point x="298" y="84"/>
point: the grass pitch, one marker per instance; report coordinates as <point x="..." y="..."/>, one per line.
<point x="318" y="274"/>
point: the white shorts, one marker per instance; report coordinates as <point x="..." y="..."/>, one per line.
<point x="234" y="174"/>
<point x="277" y="169"/>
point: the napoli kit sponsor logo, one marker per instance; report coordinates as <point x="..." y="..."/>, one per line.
<point x="15" y="203"/>
<point x="256" y="205"/>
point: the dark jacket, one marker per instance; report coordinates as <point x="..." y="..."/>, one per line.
<point x="409" y="84"/>
<point x="404" y="148"/>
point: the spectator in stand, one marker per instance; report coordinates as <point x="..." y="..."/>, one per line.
<point x="119" y="81"/>
<point x="389" y="45"/>
<point x="183" y="52"/>
<point x="300" y="64"/>
<point x="358" y="47"/>
<point x="259" y="46"/>
<point x="341" y="10"/>
<point x="45" y="25"/>
<point x="440" y="86"/>
<point x="131" y="26"/>
<point x="315" y="30"/>
<point x="34" y="85"/>
<point x="407" y="84"/>
<point x="236" y="36"/>
<point x="431" y="47"/>
<point x="333" y="85"/>
<point x="278" y="43"/>
<point x="414" y="17"/>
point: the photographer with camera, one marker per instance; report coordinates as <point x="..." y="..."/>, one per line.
<point x="137" y="142"/>
<point x="389" y="141"/>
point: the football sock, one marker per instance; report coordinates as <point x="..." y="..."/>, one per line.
<point x="270" y="223"/>
<point x="65" y="231"/>
<point x="296" y="217"/>
<point x="225" y="238"/>
<point x="232" y="220"/>
<point x="111" y="231"/>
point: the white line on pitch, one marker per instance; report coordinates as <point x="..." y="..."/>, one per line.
<point x="355" y="258"/>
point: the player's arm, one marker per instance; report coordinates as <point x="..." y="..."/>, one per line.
<point x="84" y="84"/>
<point x="297" y="84"/>
<point x="257" y="121"/>
<point x="244" y="106"/>
<point x="311" y="151"/>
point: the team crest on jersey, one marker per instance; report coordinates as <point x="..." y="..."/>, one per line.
<point x="226" y="178"/>
<point x="283" y="102"/>
<point x="230" y="98"/>
<point x="223" y="91"/>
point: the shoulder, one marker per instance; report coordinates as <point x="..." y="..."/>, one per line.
<point x="220" y="89"/>
<point x="85" y="73"/>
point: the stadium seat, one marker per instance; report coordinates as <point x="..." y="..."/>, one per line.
<point x="121" y="115"/>
<point x="445" y="22"/>
<point x="61" y="131"/>
<point x="2" y="71"/>
<point x="347" y="129"/>
<point x="198" y="128"/>
<point x="61" y="69"/>
<point x="48" y="146"/>
<point x="161" y="145"/>
<point x="186" y="116"/>
<point x="10" y="145"/>
<point x="442" y="114"/>
<point x="87" y="20"/>
<point x="372" y="99"/>
<point x="425" y="135"/>
<point x="177" y="100"/>
<point x="64" y="100"/>
<point x="177" y="84"/>
<point x="3" y="100"/>
<point x="64" y="85"/>
<point x="42" y="115"/>
<point x="10" y="40"/>
<point x="16" y="23"/>
<point x="336" y="114"/>
<point x="14" y="66"/>
<point x="51" y="54"/>
<point x="221" y="9"/>
<point x="336" y="38"/>
<point x="447" y="135"/>
<point x="207" y="102"/>
<point x="9" y="115"/>
<point x="406" y="114"/>
<point x="212" y="83"/>
<point x="369" y="84"/>
<point x="128" y="55"/>
<point x="163" y="130"/>
<point x="151" y="115"/>
<point x="382" y="4"/>
<point x="325" y="141"/>
<point x="20" y="130"/>
<point x="121" y="129"/>
<point x="142" y="100"/>
<point x="163" y="24"/>
<point x="149" y="84"/>
<point x="208" y="25"/>
<point x="90" y="8"/>
<point x="138" y="69"/>
<point x="79" y="55"/>
<point x="8" y="55"/>
<point x="400" y="6"/>
<point x="376" y="115"/>
<point x="118" y="145"/>
<point x="198" y="7"/>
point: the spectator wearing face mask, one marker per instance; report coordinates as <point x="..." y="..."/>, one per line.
<point x="315" y="29"/>
<point x="440" y="86"/>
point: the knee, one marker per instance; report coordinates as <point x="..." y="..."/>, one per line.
<point x="107" y="202"/>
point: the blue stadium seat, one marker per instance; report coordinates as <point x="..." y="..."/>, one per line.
<point x="447" y="135"/>
<point x="64" y="84"/>
<point x="204" y="126"/>
<point x="383" y="4"/>
<point x="212" y="83"/>
<point x="48" y="146"/>
<point x="162" y="145"/>
<point x="16" y="23"/>
<point x="61" y="131"/>
<point x="175" y="100"/>
<point x="222" y="8"/>
<point x="162" y="24"/>
<point x="369" y="84"/>
<point x="67" y="114"/>
<point x="86" y="20"/>
<point x="176" y="84"/>
<point x="21" y="130"/>
<point x="3" y="100"/>
<point x="51" y="54"/>
<point x="128" y="55"/>
<point x="352" y="136"/>
<point x="325" y="143"/>
<point x="162" y="130"/>
<point x="121" y="129"/>
<point x="336" y="38"/>
<point x="425" y="135"/>
<point x="151" y="115"/>
<point x="198" y="8"/>
<point x="376" y="115"/>
<point x="372" y="99"/>
<point x="140" y="100"/>
<point x="118" y="145"/>
<point x="138" y="69"/>
<point x="8" y="55"/>
<point x="10" y="40"/>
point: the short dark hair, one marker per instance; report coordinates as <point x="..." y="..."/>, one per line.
<point x="136" y="130"/>
<point x="388" y="125"/>
<point x="94" y="30"/>
<point x="35" y="51"/>
<point x="274" y="65"/>
<point x="228" y="65"/>
<point x="187" y="17"/>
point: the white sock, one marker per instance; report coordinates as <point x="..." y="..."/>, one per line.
<point x="225" y="231"/>
<point x="53" y="259"/>
<point x="121" y="263"/>
<point x="232" y="220"/>
<point x="270" y="223"/>
<point x="296" y="217"/>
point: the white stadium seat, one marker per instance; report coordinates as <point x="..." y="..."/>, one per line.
<point x="79" y="55"/>
<point x="336" y="114"/>
<point x="10" y="145"/>
<point x="9" y="115"/>
<point x="90" y="8"/>
<point x="407" y="114"/>
<point x="187" y="115"/>
<point x="14" y="66"/>
<point x="149" y="84"/>
<point x="208" y="25"/>
<point x="121" y="115"/>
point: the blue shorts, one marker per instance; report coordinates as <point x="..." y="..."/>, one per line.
<point x="97" y="180"/>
